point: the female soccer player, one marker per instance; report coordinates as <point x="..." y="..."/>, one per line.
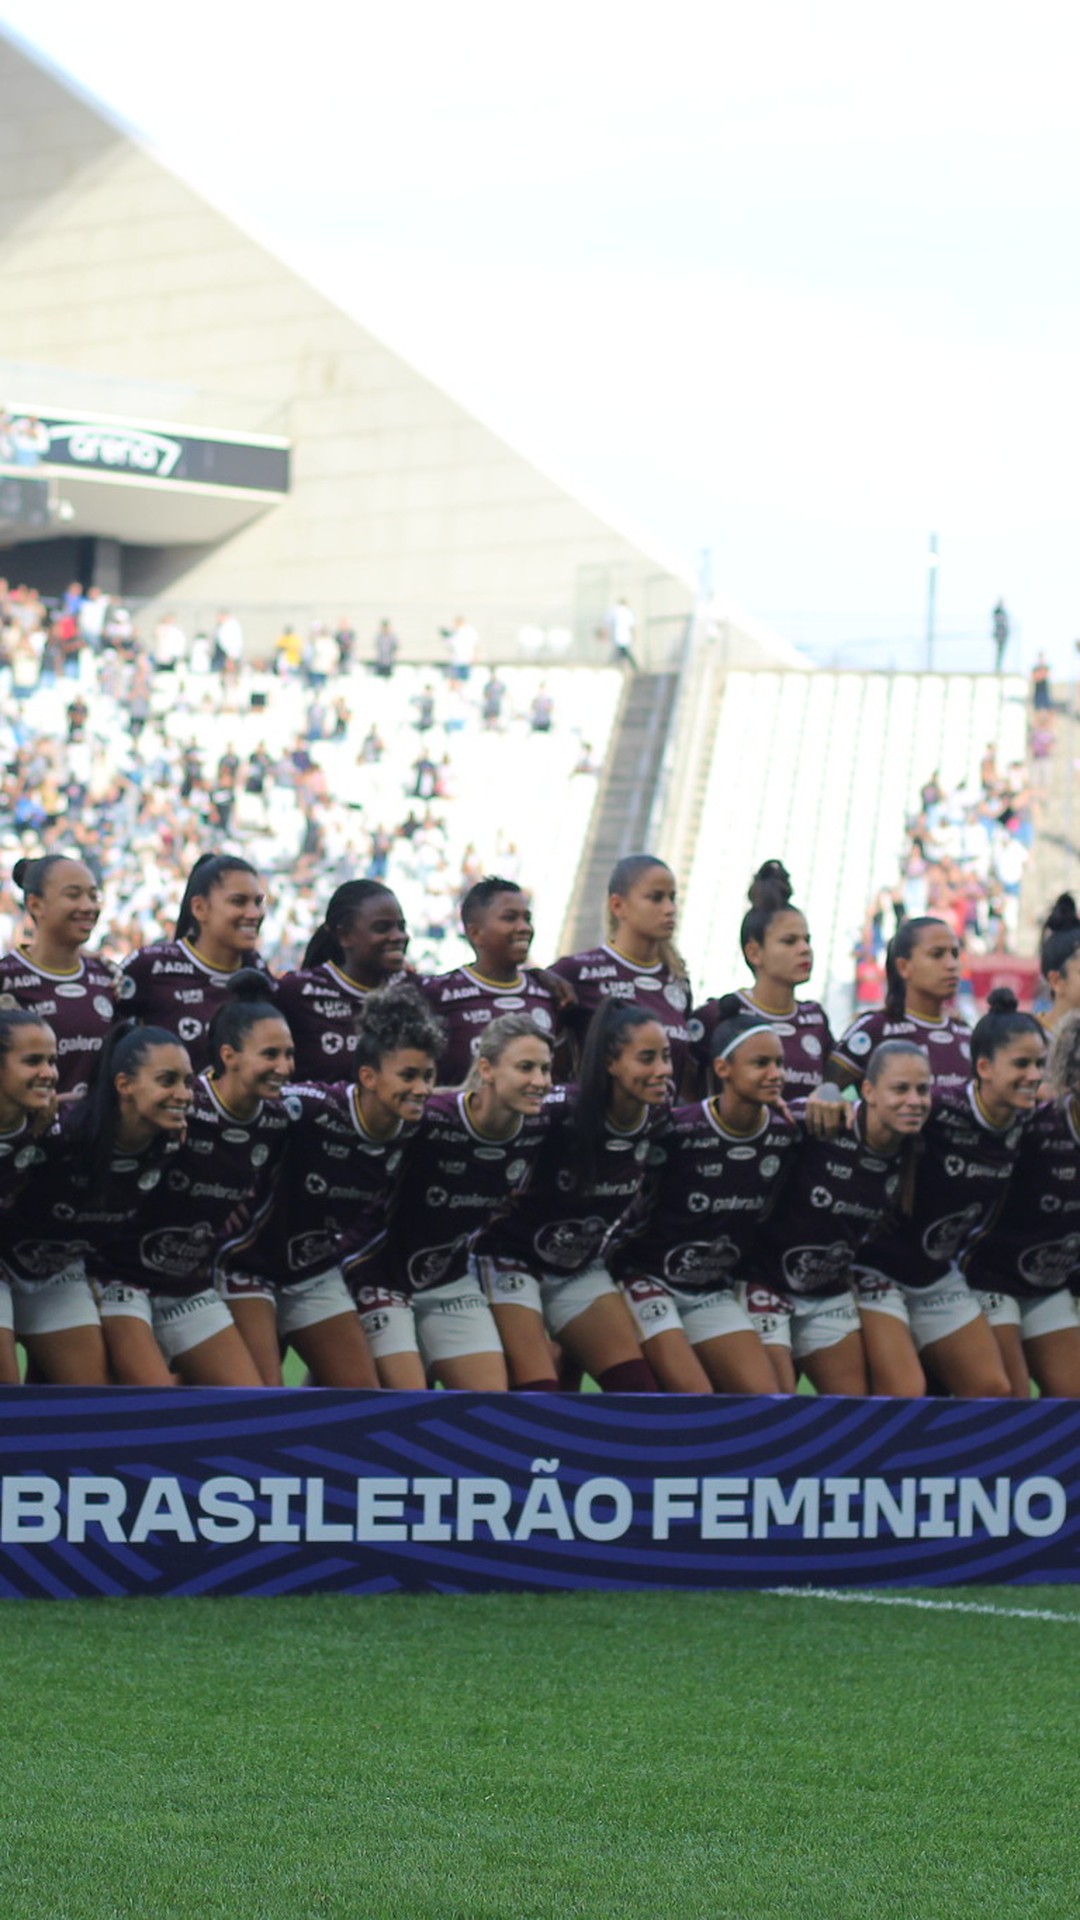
<point x="359" y="947"/>
<point x="720" y="1164"/>
<point x="1059" y="959"/>
<point x="775" y="941"/>
<point x="27" y="1106"/>
<point x="639" y="961"/>
<point x="1023" y="1268"/>
<point x="346" y="1156"/>
<point x="50" y="976"/>
<point x="159" y="1309"/>
<point x="420" y="1305"/>
<point x="922" y="970"/>
<point x="540" y="1262"/>
<point x="497" y="922"/>
<point x="913" y="1296"/>
<point x="180" y="984"/>
<point x="838" y="1191"/>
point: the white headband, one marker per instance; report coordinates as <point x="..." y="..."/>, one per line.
<point x="763" y="1026"/>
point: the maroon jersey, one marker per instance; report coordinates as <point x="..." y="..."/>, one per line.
<point x="20" y="1153"/>
<point x="322" y="1007"/>
<point x="803" y="1035"/>
<point x="603" y="973"/>
<point x="1033" y="1246"/>
<point x="161" y="1213"/>
<point x="168" y="985"/>
<point x="837" y="1191"/>
<point x="457" y="1179"/>
<point x="64" y="1214"/>
<point x="336" y="1180"/>
<point x="962" y="1166"/>
<point x="80" y="1007"/>
<point x="466" y="1003"/>
<point x="946" y="1042"/>
<point x="707" y="1191"/>
<point x="553" y="1226"/>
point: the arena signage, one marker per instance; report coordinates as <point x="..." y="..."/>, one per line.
<point x="141" y="451"/>
<point x="129" y="1492"/>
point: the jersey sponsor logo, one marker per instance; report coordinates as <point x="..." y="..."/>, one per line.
<point x="569" y="1242"/>
<point x="784" y="1030"/>
<point x="676" y="995"/>
<point x="28" y="1157"/>
<point x="812" y="1045"/>
<point x="70" y="990"/>
<point x="293" y="1107"/>
<point x="178" y="1182"/>
<point x="509" y="1003"/>
<point x="235" y="1135"/>
<point x="509" y="1282"/>
<point x="516" y="1171"/>
<point x="564" y="1180"/>
<point x="859" y="1043"/>
<point x="942" y="1237"/>
<point x="123" y="1166"/>
<point x="149" y="1180"/>
<point x="177" y="1251"/>
<point x="1050" y="1202"/>
<point x="695" y="1030"/>
<point x="436" y="1197"/>
<point x="1051" y="1264"/>
<point x="701" y="1256"/>
<point x="1065" y="1173"/>
<point x="103" y="1006"/>
<point x="641" y="983"/>
<point x="189" y="1029"/>
<point x="806" y="1265"/>
<point x="641" y="1151"/>
<point x="427" y="1268"/>
<point x="375" y="1321"/>
<point x="770" y="1166"/>
<point x="697" y="1203"/>
<point x="332" y="1042"/>
<point x="201" y="1146"/>
<point x="740" y="1153"/>
<point x="314" y="1183"/>
<point x="1013" y="1136"/>
<point x="42" y="1259"/>
<point x="330" y="1149"/>
<point x="652" y="1309"/>
<point x="820" y="1197"/>
<point x="188" y="996"/>
<point x="126" y="988"/>
<point x="618" y="1146"/>
<point x="305" y="1248"/>
<point x="954" y="1164"/>
<point x="482" y="1153"/>
<point x="260" y="1153"/>
<point x="940" y="1038"/>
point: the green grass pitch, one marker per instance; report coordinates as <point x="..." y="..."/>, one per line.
<point x="614" y="1757"/>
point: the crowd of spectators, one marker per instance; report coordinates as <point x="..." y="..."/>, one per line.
<point x="963" y="859"/>
<point x="141" y="752"/>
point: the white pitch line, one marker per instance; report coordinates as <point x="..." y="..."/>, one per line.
<point x="929" y="1606"/>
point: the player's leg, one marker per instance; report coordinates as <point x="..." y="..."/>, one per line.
<point x="892" y="1359"/>
<point x="255" y="1316"/>
<point x="770" y="1316"/>
<point x="200" y="1340"/>
<point x="459" y="1340"/>
<point x="317" y="1317"/>
<point x="588" y="1315"/>
<point x="59" y="1325"/>
<point x="827" y="1341"/>
<point x="1050" y="1329"/>
<point x="955" y="1342"/>
<point x="127" y="1322"/>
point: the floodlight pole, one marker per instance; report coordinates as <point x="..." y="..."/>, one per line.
<point x="931" y="600"/>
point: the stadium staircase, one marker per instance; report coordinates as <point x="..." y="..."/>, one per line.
<point x="1052" y="865"/>
<point x="623" y="812"/>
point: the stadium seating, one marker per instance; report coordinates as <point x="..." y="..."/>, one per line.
<point x="821" y="770"/>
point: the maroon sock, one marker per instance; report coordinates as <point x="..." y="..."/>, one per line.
<point x="550" y="1385"/>
<point x="630" y="1376"/>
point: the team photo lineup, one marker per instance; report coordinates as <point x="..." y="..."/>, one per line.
<point x="513" y="1175"/>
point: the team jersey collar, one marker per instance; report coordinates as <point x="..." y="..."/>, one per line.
<point x="344" y="982"/>
<point x="372" y="1139"/>
<point x="709" y="1109"/>
<point x="224" y="1109"/>
<point x="639" y="966"/>
<point x="48" y="973"/>
<point x="486" y="1139"/>
<point x="204" y="965"/>
<point x="498" y="986"/>
<point x="981" y="1115"/>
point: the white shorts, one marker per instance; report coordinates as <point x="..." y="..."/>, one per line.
<point x="932" y="1313"/>
<point x="55" y="1305"/>
<point x="558" y="1297"/>
<point x="657" y="1307"/>
<point x="802" y="1324"/>
<point x="7" y="1311"/>
<point x="1000" y="1309"/>
<point x="442" y="1323"/>
<point x="1053" y="1313"/>
<point x="299" y="1304"/>
<point x="178" y="1321"/>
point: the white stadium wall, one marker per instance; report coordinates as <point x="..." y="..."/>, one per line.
<point x="401" y="502"/>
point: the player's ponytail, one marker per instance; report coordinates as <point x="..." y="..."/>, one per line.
<point x="769" y="893"/>
<point x="208" y="872"/>
<point x="344" y="902"/>
<point x="1060" y="936"/>
<point x="92" y="1123"/>
<point x="1002" y="1022"/>
<point x="624" y="874"/>
<point x="901" y="947"/>
<point x="249" y="999"/>
<point x="609" y="1030"/>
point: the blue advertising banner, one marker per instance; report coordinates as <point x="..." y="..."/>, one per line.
<point x="186" y="1492"/>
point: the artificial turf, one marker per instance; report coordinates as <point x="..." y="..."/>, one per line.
<point x="704" y="1757"/>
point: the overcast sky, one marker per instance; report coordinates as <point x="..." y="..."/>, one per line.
<point x="795" y="284"/>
